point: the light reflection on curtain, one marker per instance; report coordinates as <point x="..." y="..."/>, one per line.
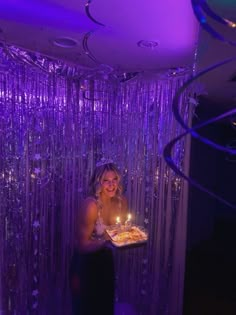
<point x="53" y="130"/>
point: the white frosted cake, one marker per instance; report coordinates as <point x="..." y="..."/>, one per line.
<point x="123" y="236"/>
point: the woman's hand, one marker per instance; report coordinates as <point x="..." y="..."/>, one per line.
<point x="108" y="245"/>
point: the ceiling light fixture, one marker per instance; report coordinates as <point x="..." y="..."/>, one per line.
<point x="147" y="43"/>
<point x="65" y="42"/>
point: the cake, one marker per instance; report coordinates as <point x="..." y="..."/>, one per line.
<point x="123" y="236"/>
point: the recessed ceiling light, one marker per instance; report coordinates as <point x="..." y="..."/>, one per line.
<point x="65" y="42"/>
<point x="147" y="43"/>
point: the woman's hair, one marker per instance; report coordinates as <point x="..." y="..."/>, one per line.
<point x="96" y="179"/>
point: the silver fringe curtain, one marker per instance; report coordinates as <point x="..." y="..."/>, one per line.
<point x="53" y="129"/>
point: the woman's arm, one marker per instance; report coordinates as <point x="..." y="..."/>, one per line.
<point x="85" y="226"/>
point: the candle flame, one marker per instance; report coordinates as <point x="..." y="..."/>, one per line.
<point x="117" y="219"/>
<point x="129" y="216"/>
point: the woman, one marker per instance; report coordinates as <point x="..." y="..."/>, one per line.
<point x="92" y="269"/>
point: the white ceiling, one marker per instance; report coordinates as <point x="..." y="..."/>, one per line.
<point x="108" y="32"/>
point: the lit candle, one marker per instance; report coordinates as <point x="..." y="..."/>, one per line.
<point x="128" y="221"/>
<point x="118" y="221"/>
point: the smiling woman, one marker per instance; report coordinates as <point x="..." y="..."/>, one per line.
<point x="92" y="270"/>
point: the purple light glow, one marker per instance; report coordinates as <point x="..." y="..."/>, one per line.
<point x="42" y="14"/>
<point x="172" y="23"/>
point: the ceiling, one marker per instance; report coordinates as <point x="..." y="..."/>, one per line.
<point x="125" y="35"/>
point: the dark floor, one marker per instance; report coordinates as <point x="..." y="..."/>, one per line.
<point x="210" y="280"/>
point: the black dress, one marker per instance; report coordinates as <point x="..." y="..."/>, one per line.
<point x="92" y="283"/>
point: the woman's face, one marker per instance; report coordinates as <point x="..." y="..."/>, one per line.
<point x="109" y="184"/>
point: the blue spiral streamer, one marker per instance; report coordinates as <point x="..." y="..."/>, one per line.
<point x="199" y="8"/>
<point x="167" y="156"/>
<point x="86" y="48"/>
<point x="87" y="6"/>
<point x="88" y="34"/>
<point x="175" y="109"/>
<point x="168" y="148"/>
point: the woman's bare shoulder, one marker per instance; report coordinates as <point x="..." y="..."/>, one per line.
<point x="90" y="200"/>
<point x="89" y="205"/>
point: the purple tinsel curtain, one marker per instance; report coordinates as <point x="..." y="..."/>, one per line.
<point x="55" y="124"/>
